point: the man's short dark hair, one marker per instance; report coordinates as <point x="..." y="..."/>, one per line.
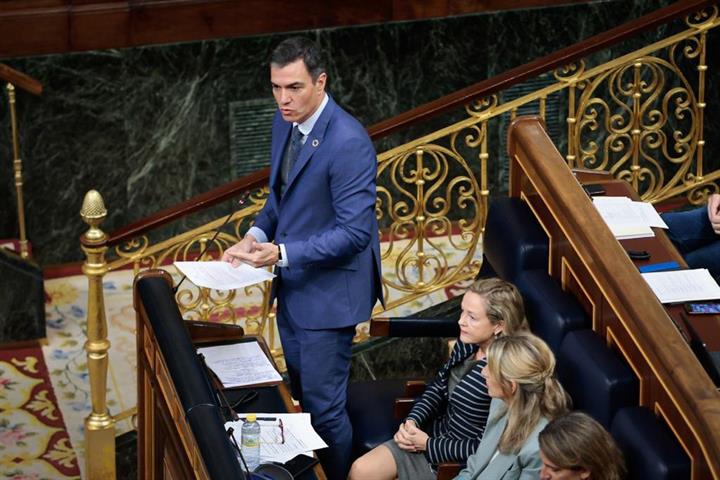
<point x="299" y="48"/>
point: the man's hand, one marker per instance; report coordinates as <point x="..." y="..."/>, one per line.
<point x="261" y="255"/>
<point x="714" y="212"/>
<point x="245" y="246"/>
<point x="410" y="438"/>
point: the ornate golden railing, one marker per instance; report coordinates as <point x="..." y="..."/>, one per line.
<point x="639" y="116"/>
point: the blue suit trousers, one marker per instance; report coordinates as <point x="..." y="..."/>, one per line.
<point x="693" y="236"/>
<point x="318" y="363"/>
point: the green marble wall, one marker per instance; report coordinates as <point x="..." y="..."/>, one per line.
<point x="148" y="127"/>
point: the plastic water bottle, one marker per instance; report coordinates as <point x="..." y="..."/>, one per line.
<point x="250" y="441"/>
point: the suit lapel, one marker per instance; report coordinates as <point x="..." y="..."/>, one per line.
<point x="501" y="464"/>
<point x="313" y="141"/>
<point x="491" y="438"/>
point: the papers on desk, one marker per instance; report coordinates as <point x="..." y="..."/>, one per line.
<point x="628" y="219"/>
<point x="240" y="364"/>
<point x="683" y="285"/>
<point x="298" y="436"/>
<point x="222" y="275"/>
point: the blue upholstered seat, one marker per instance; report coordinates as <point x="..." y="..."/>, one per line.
<point x="513" y="240"/>
<point x="596" y="379"/>
<point x="551" y="312"/>
<point x="650" y="449"/>
<point x="371" y="409"/>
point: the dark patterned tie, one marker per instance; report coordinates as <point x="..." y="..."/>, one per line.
<point x="291" y="154"/>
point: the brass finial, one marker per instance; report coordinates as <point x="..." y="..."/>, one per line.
<point x="93" y="212"/>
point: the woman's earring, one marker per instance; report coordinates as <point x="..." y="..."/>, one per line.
<point x="497" y="333"/>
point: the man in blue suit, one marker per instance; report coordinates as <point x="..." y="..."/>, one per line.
<point x="321" y="217"/>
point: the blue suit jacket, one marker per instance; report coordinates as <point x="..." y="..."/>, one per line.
<point x="326" y="219"/>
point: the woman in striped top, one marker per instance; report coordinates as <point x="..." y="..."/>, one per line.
<point x="447" y="422"/>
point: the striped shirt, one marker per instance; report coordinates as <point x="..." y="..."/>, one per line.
<point x="458" y="422"/>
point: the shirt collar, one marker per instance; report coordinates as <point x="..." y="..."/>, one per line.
<point x="307" y="126"/>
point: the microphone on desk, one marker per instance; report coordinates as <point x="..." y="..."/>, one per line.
<point x="241" y="201"/>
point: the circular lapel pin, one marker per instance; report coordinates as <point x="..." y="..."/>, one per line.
<point x="315" y="142"/>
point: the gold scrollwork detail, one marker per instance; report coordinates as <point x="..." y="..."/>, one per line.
<point x="135" y="247"/>
<point x="699" y="194"/>
<point x="570" y="72"/>
<point x="428" y="209"/>
<point x="481" y="106"/>
<point x="637" y="119"/>
<point x="475" y="137"/>
<point x="702" y="18"/>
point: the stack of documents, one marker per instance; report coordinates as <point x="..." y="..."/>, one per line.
<point x="297" y="436"/>
<point x="683" y="285"/>
<point x="628" y="219"/>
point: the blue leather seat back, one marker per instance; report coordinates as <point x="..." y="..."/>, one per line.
<point x="596" y="379"/>
<point x="551" y="312"/>
<point x="650" y="449"/>
<point x="370" y="407"/>
<point x="513" y="240"/>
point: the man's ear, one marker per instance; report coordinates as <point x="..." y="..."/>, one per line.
<point x="320" y="82"/>
<point x="584" y="474"/>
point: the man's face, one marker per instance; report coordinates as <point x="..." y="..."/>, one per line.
<point x="296" y="95"/>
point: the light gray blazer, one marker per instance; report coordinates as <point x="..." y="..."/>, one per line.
<point x="525" y="465"/>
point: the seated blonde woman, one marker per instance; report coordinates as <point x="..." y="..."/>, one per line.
<point x="575" y="446"/>
<point x="447" y="422"/>
<point x="525" y="396"/>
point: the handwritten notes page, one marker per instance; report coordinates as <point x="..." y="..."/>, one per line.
<point x="240" y="364"/>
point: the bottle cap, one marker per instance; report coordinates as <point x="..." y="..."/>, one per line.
<point x="251" y="417"/>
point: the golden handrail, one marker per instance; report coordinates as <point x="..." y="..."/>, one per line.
<point x="29" y="84"/>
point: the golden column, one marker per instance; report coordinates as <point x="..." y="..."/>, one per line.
<point x="99" y="425"/>
<point x="17" y="167"/>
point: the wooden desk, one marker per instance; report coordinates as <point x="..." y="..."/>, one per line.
<point x="591" y="264"/>
<point x="181" y="432"/>
<point x="661" y="249"/>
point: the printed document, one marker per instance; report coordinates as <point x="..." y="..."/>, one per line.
<point x="280" y="442"/>
<point x="240" y="364"/>
<point x="683" y="285"/>
<point x="221" y="275"/>
<point x="625" y="218"/>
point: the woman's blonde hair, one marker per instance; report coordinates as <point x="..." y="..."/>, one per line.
<point x="527" y="362"/>
<point x="575" y="441"/>
<point x="503" y="303"/>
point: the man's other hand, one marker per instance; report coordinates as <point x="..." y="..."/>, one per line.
<point x="261" y="255"/>
<point x="714" y="212"/>
<point x="243" y="247"/>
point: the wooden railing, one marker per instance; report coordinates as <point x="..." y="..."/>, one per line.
<point x="432" y="194"/>
<point x="29" y="84"/>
